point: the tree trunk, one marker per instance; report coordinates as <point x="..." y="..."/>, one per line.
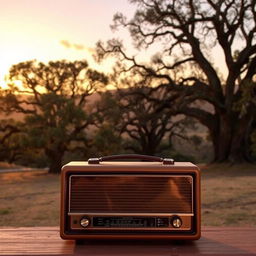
<point x="151" y="151"/>
<point x="55" y="161"/>
<point x="150" y="147"/>
<point x="229" y="138"/>
<point x="239" y="150"/>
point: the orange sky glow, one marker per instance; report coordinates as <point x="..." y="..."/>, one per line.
<point x="52" y="30"/>
<point x="59" y="29"/>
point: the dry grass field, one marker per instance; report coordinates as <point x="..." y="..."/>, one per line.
<point x="228" y="197"/>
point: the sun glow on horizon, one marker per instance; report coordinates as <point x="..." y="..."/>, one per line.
<point x="33" y="29"/>
<point x="56" y="30"/>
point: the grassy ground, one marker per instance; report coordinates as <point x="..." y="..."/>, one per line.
<point x="29" y="199"/>
<point x="4" y="165"/>
<point x="228" y="197"/>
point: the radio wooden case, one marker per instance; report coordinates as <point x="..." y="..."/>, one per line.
<point x="130" y="200"/>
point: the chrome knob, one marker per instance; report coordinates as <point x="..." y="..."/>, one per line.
<point x="176" y="222"/>
<point x="84" y="222"/>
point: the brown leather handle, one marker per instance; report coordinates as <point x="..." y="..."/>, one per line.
<point x="131" y="157"/>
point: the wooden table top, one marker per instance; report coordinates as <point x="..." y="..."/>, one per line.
<point x="46" y="241"/>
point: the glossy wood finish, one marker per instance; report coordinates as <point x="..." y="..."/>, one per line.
<point x="131" y="168"/>
<point x="33" y="241"/>
<point x="46" y="241"/>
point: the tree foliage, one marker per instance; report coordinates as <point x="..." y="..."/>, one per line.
<point x="183" y="34"/>
<point x="10" y="140"/>
<point x="53" y="98"/>
<point x="144" y="128"/>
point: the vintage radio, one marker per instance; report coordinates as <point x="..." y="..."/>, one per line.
<point x="151" y="197"/>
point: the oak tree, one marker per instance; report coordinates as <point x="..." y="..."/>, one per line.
<point x="186" y="34"/>
<point x="142" y="127"/>
<point x="53" y="98"/>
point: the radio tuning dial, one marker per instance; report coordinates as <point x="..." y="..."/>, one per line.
<point x="84" y="222"/>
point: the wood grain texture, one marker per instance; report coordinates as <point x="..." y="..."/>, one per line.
<point x="46" y="241"/>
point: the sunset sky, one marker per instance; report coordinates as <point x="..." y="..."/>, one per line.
<point x="54" y="29"/>
<point x="59" y="29"/>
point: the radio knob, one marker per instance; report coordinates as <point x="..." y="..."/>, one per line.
<point x="176" y="222"/>
<point x="84" y="222"/>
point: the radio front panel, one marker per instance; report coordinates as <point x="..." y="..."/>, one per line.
<point x="125" y="201"/>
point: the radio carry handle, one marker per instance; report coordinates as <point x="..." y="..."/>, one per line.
<point x="146" y="158"/>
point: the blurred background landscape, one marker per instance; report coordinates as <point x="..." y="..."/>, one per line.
<point x="165" y="78"/>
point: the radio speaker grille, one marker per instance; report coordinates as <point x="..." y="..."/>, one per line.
<point x="130" y="194"/>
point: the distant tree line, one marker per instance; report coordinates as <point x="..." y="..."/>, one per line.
<point x="65" y="110"/>
<point x="68" y="114"/>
